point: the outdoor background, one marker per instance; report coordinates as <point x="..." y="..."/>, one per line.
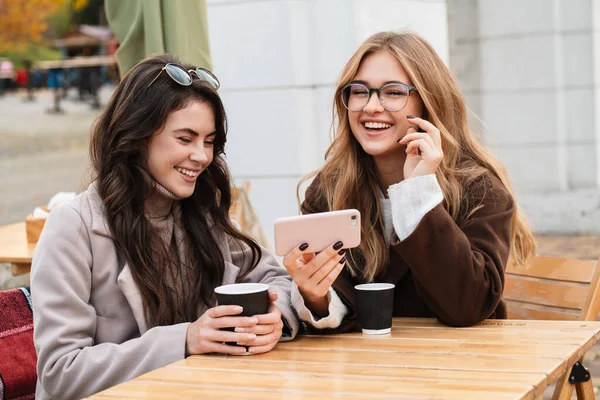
<point x="529" y="70"/>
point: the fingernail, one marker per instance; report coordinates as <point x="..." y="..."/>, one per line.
<point x="240" y="330"/>
<point x="303" y="246"/>
<point x="342" y="252"/>
<point x="338" y="245"/>
<point x="343" y="260"/>
<point x="238" y="309"/>
<point x="253" y="321"/>
<point x="410" y="116"/>
<point x="251" y="336"/>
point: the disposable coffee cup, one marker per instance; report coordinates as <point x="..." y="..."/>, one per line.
<point x="375" y="307"/>
<point x="252" y="297"/>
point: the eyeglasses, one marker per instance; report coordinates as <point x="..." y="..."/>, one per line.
<point x="184" y="77"/>
<point x="393" y="96"/>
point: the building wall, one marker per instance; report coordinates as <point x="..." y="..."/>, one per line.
<point x="529" y="70"/>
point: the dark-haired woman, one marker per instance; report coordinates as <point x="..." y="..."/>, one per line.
<point x="123" y="276"/>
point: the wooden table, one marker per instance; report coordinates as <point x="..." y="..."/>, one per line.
<point x="14" y="248"/>
<point x="420" y="358"/>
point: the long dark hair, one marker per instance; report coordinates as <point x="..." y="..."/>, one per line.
<point x="118" y="151"/>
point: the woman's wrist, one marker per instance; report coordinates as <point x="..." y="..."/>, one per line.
<point x="319" y="306"/>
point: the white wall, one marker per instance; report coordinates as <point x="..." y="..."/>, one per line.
<point x="527" y="69"/>
<point x="278" y="62"/>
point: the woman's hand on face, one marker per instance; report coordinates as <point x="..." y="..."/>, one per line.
<point x="315" y="273"/>
<point x="423" y="149"/>
<point x="205" y="334"/>
<point x="268" y="330"/>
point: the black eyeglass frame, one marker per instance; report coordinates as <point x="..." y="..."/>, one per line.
<point x="198" y="71"/>
<point x="409" y="89"/>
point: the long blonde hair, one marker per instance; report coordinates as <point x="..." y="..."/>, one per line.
<point x="348" y="178"/>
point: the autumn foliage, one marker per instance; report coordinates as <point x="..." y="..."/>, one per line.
<point x="24" y="21"/>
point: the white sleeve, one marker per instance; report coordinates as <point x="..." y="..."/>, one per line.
<point x="411" y="199"/>
<point x="337" y="309"/>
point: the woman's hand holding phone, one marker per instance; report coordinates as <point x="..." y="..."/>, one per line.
<point x="315" y="273"/>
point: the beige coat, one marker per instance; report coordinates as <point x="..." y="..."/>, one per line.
<point x="90" y="331"/>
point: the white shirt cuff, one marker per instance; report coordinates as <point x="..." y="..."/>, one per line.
<point x="411" y="199"/>
<point x="337" y="309"/>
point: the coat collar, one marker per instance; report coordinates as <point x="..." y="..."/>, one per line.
<point x="125" y="279"/>
<point x="134" y="298"/>
<point x="99" y="222"/>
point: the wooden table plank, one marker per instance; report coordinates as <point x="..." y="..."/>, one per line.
<point x="14" y="248"/>
<point x="186" y="379"/>
<point x="432" y="346"/>
<point x="419" y="323"/>
<point x="255" y="364"/>
<point x="157" y="391"/>
<point x="553" y="367"/>
<point x="500" y="335"/>
<point x="420" y="358"/>
<point x="20" y="268"/>
<point x="419" y="347"/>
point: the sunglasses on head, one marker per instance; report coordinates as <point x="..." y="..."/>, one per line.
<point x="184" y="77"/>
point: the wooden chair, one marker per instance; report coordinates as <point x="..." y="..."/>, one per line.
<point x="237" y="210"/>
<point x="557" y="289"/>
<point x="242" y="212"/>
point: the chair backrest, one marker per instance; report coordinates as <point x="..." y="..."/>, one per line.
<point x="18" y="358"/>
<point x="242" y="212"/>
<point x="553" y="289"/>
<point x="237" y="211"/>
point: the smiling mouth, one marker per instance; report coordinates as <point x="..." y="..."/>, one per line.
<point x="188" y="173"/>
<point x="376" y="126"/>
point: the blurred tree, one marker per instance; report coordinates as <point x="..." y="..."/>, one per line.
<point x="24" y="22"/>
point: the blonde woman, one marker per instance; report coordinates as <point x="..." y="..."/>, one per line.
<point x="439" y="218"/>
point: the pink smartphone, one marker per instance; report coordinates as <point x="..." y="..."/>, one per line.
<point x="318" y="230"/>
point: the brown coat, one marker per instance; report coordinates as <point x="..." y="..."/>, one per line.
<point x="452" y="272"/>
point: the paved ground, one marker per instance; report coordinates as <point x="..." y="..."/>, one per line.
<point x="43" y="153"/>
<point x="40" y="154"/>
